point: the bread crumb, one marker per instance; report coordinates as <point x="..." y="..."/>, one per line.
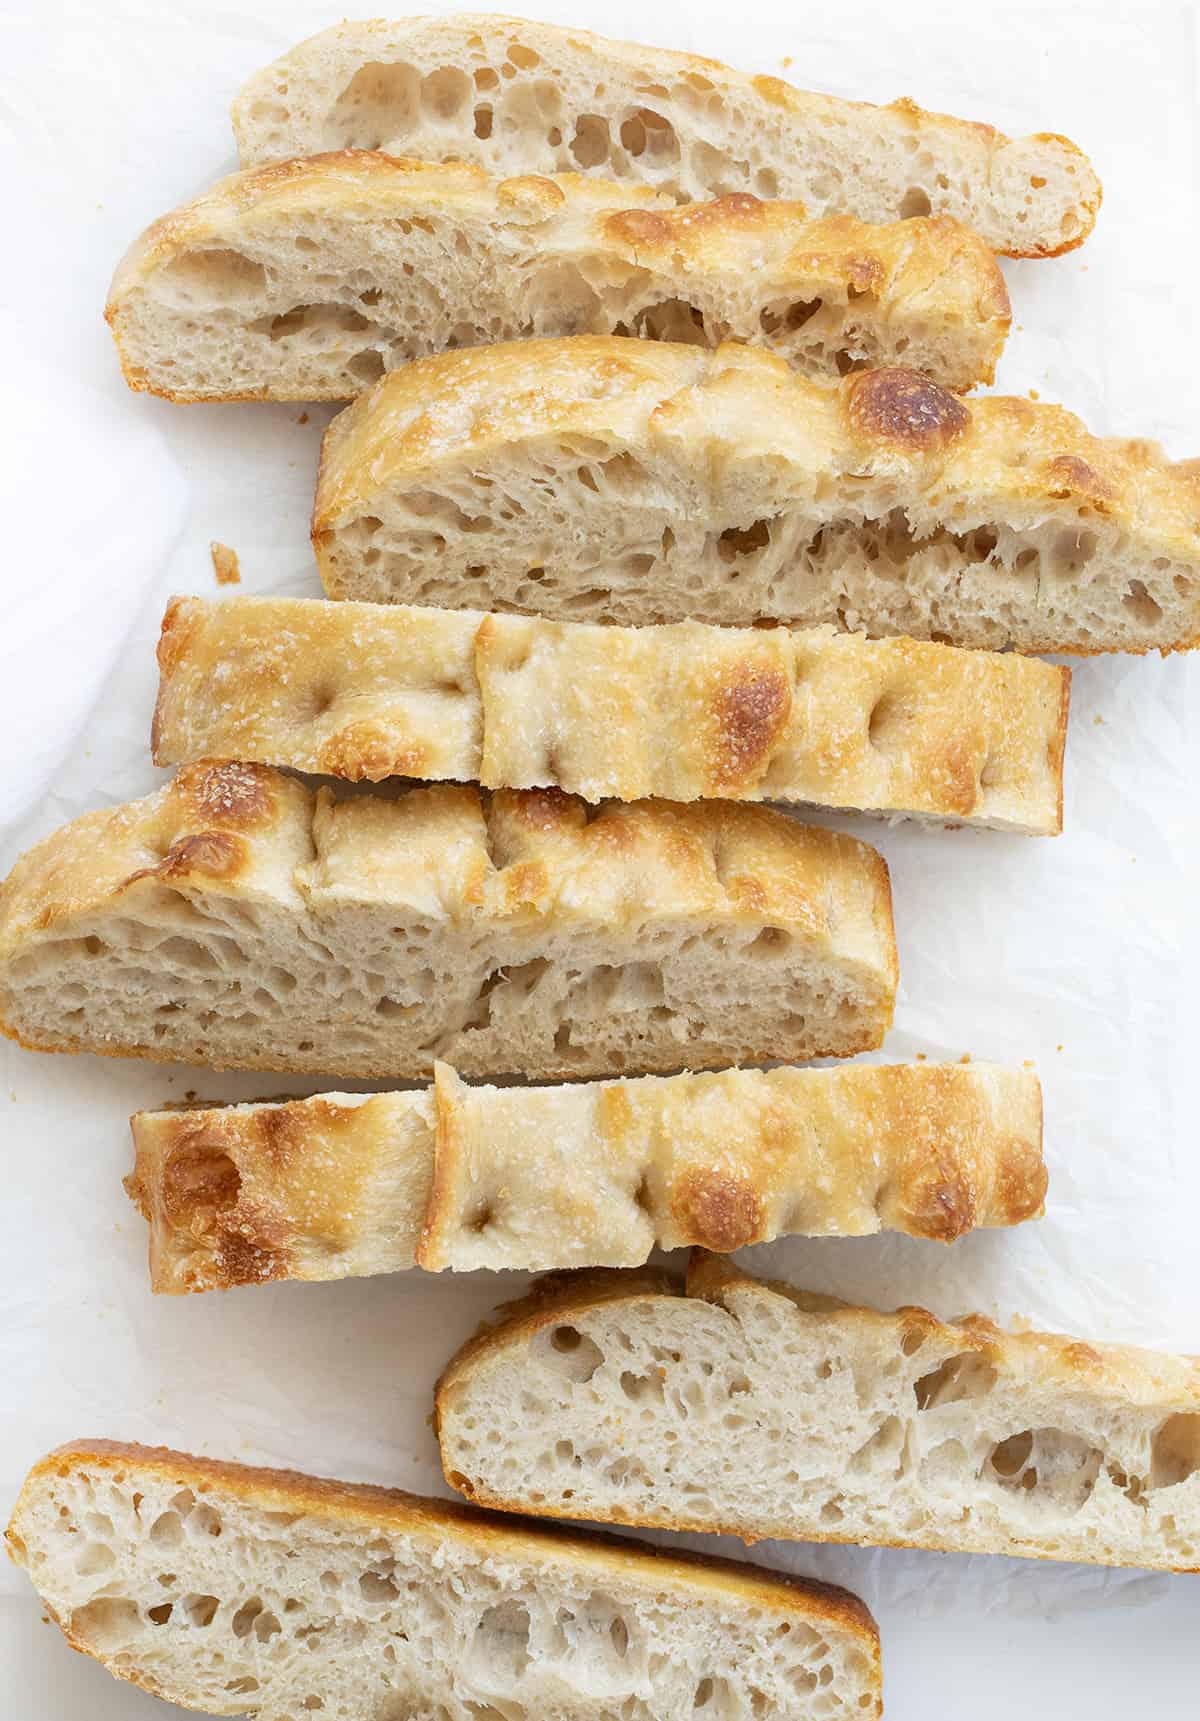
<point x="1097" y="718"/>
<point x="225" y="564"/>
<point x="1058" y="1048"/>
<point x="966" y="1058"/>
<point x="920" y="1057"/>
<point x="786" y="60"/>
<point x="1034" y="395"/>
<point x="1028" y="1064"/>
<point x="303" y="418"/>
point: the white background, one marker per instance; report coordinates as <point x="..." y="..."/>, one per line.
<point x="1079" y="954"/>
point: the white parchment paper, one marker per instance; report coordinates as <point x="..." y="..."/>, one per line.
<point x="1078" y="954"/>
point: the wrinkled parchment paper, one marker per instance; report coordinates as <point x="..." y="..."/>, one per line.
<point x="1078" y="954"/>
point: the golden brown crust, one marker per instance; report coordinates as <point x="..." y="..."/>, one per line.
<point x="686" y="711"/>
<point x="1139" y="1376"/>
<point x="738" y="432"/>
<point x="805" y="127"/>
<point x="351" y="1504"/>
<point x="598" y="1173"/>
<point x="1128" y="1375"/>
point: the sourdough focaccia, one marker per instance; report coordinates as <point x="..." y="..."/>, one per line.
<point x="237" y="918"/>
<point x="454" y="1178"/>
<point x="646" y="481"/>
<point x="522" y="97"/>
<point x="622" y="1399"/>
<point x="309" y="280"/>
<point x="263" y="1592"/>
<point x="899" y="727"/>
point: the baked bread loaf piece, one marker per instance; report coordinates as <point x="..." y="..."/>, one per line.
<point x="266" y="1593"/>
<point x="896" y="726"/>
<point x="592" y="1174"/>
<point x="309" y="280"/>
<point x="520" y="97"/>
<point x="610" y="480"/>
<point x="619" y="1399"/>
<point x="236" y="918"/>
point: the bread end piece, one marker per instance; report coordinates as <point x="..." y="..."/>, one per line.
<point x="444" y="1604"/>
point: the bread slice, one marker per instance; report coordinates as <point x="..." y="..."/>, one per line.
<point x="520" y="97"/>
<point x="235" y="918"/>
<point x="895" y="726"/>
<point x="600" y="479"/>
<point x="309" y="280"/>
<point x="263" y="1592"/>
<point x="621" y="1399"/>
<point x="456" y="1178"/>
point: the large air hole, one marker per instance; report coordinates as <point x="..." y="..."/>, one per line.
<point x="738" y="541"/>
<point x="379" y="105"/>
<point x="960" y="1377"/>
<point x="647" y="134"/>
<point x="1138" y="603"/>
<point x="591" y="143"/>
<point x="1061" y="1467"/>
<point x="882" y="1454"/>
<point x="914" y="202"/>
<point x="211" y="278"/>
<point x="107" y="1624"/>
<point x="569" y="1352"/>
<point x="1175" y="1450"/>
<point x="244" y="1618"/>
<point x="378" y="1587"/>
<point x="669" y="320"/>
<point x="784" y="317"/>
<point x="642" y="1388"/>
<point x="199" y="1610"/>
<point x="445" y="92"/>
<point x="500" y="1650"/>
<point x="367" y="367"/>
<point x="318" y="322"/>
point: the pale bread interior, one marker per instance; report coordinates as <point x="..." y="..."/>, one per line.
<point x="233" y="1606"/>
<point x="763" y="1413"/>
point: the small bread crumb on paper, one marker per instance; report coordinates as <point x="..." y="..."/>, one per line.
<point x="225" y="564"/>
<point x="303" y="418"/>
<point x="1034" y="395"/>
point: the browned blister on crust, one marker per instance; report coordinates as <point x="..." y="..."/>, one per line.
<point x="236" y="918"/>
<point x="596" y="1174"/>
<point x="722" y="487"/>
<point x="908" y="1430"/>
<point x="901" y="407"/>
<point x="684" y="712"/>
